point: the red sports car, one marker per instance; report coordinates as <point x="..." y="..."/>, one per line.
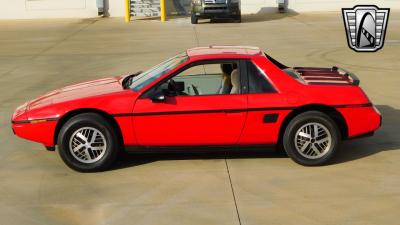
<point x="207" y="96"/>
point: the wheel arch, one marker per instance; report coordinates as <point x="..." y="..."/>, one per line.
<point x="75" y="112"/>
<point x="330" y="111"/>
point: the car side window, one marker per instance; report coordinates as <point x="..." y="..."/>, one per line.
<point x="209" y="79"/>
<point x="258" y="82"/>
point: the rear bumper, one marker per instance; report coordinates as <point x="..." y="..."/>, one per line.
<point x="361" y="121"/>
<point x="370" y="134"/>
<point x="216" y="10"/>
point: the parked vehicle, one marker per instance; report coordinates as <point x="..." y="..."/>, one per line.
<point x="282" y="5"/>
<point x="211" y="9"/>
<point x="207" y="96"/>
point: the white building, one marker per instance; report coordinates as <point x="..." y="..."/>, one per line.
<point x="30" y="9"/>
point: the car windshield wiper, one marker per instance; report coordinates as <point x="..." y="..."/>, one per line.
<point x="126" y="83"/>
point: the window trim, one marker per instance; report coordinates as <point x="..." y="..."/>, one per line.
<point x="266" y="77"/>
<point x="240" y="62"/>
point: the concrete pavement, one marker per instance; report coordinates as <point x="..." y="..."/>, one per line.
<point x="360" y="187"/>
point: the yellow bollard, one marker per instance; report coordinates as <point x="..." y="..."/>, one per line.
<point x="163" y="11"/>
<point x="127" y="11"/>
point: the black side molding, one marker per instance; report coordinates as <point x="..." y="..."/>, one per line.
<point x="34" y="120"/>
<point x="202" y="111"/>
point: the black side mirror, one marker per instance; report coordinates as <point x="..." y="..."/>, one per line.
<point x="169" y="89"/>
<point x="159" y="97"/>
<point x="179" y="86"/>
<point x="175" y="87"/>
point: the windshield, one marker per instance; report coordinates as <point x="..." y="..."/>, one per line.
<point x="156" y="72"/>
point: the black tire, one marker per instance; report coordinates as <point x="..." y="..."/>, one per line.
<point x="238" y="18"/>
<point x="312" y="147"/>
<point x="194" y="19"/>
<point x="95" y="122"/>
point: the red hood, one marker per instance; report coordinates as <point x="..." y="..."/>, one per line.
<point x="78" y="91"/>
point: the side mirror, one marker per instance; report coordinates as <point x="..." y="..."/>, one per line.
<point x="175" y="87"/>
<point x="159" y="97"/>
<point x="179" y="86"/>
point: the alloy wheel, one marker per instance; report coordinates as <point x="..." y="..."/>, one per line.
<point x="87" y="145"/>
<point x="313" y="140"/>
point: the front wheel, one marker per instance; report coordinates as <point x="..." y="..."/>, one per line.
<point x="311" y="138"/>
<point x="88" y="143"/>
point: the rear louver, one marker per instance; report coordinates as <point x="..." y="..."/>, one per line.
<point x="334" y="75"/>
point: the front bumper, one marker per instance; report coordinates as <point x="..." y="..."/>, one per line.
<point x="41" y="131"/>
<point x="216" y="10"/>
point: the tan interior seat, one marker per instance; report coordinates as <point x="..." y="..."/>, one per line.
<point x="235" y="80"/>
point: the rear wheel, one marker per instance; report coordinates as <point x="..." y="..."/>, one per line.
<point x="194" y="19"/>
<point x="311" y="138"/>
<point x="88" y="143"/>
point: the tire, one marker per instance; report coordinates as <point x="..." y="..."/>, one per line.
<point x="303" y="146"/>
<point x="194" y="19"/>
<point x="90" y="157"/>
<point x="238" y="19"/>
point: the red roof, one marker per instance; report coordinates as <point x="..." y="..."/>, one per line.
<point x="224" y="50"/>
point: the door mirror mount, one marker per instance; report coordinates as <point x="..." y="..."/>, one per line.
<point x="171" y="89"/>
<point x="169" y="92"/>
<point x="159" y="97"/>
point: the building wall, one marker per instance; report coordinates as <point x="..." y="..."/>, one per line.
<point x="254" y="6"/>
<point x="27" y="9"/>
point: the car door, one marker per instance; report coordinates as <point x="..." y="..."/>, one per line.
<point x="202" y="113"/>
<point x="267" y="107"/>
